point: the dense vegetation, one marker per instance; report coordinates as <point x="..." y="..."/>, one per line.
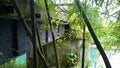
<point x="103" y="15"/>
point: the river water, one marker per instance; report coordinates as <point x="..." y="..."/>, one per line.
<point x="97" y="61"/>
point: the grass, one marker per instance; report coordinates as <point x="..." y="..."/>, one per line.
<point x="13" y="64"/>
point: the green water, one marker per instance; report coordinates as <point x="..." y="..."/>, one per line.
<point x="21" y="59"/>
<point x="93" y="57"/>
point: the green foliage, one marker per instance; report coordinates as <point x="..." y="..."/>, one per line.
<point x="118" y="2"/>
<point x="76" y="20"/>
<point x="59" y="41"/>
<point x="44" y="18"/>
<point x="53" y="10"/>
<point x="13" y="64"/>
<point x="87" y="62"/>
<point x="71" y="58"/>
<point x="115" y="35"/>
<point x="107" y="32"/>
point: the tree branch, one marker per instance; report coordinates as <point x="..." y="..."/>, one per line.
<point x="25" y="25"/>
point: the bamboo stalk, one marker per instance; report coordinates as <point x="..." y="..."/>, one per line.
<point x="53" y="36"/>
<point x="34" y="39"/>
<point x="83" y="48"/>
<point x="97" y="42"/>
